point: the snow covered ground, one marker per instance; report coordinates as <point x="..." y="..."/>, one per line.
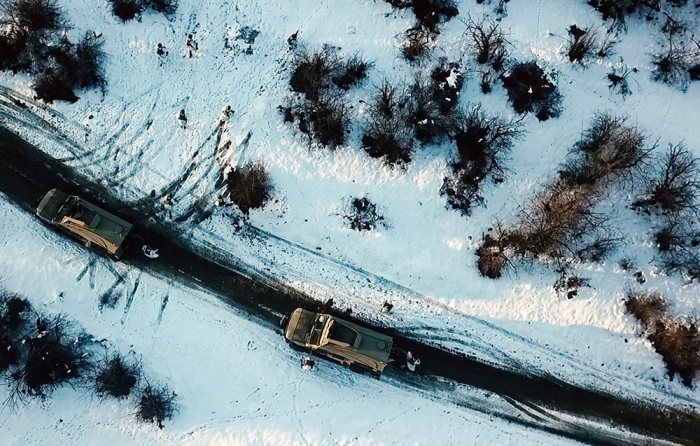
<point x="130" y="140"/>
<point x="238" y="383"/>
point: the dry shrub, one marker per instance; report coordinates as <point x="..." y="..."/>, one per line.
<point x="488" y="42"/>
<point x="676" y="340"/>
<point x="647" y="308"/>
<point x="387" y="131"/>
<point x="127" y="10"/>
<point x="582" y="44"/>
<point x="433" y="100"/>
<point x="362" y="215"/>
<point x="418" y="41"/>
<point x="326" y="119"/>
<point x="249" y="186"/>
<point x="52" y="353"/>
<point x="156" y="404"/>
<point x="610" y="149"/>
<point x="673" y="66"/>
<point x="672" y="181"/>
<point x="531" y="90"/>
<point x="617" y="11"/>
<point x="483" y="144"/>
<point x="314" y="71"/>
<point x="116" y="376"/>
<point x="678" y="343"/>
<point x="429" y="13"/>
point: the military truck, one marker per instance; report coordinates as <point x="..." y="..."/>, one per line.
<point x="361" y="349"/>
<point x="86" y="222"/>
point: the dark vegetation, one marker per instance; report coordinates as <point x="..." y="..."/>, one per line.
<point x="156" y="404"/>
<point x="583" y="44"/>
<point x="670" y="196"/>
<point x="387" y="131"/>
<point x="34" y="41"/>
<point x="483" y="145"/>
<point x="249" y="186"/>
<point x="433" y="102"/>
<point x="499" y="9"/>
<point x="560" y="223"/>
<point x="676" y="340"/>
<point x="51" y="352"/>
<point x="321" y="79"/>
<point x="617" y="11"/>
<point x="490" y="47"/>
<point x="116" y="376"/>
<point x="429" y="13"/>
<point x="618" y="79"/>
<point x="672" y="183"/>
<point x="129" y="9"/>
<point x="418" y="41"/>
<point x="531" y="90"/>
<point x="362" y="215"/>
<point x="40" y="353"/>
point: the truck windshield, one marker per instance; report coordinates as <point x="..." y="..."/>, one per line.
<point x="314" y="336"/>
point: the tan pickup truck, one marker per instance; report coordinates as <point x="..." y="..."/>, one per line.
<point x="361" y="349"/>
<point x="90" y="224"/>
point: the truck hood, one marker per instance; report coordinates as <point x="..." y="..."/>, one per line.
<point x="299" y="324"/>
<point x="49" y="205"/>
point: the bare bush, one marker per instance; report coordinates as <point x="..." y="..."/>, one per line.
<point x="156" y="404"/>
<point x="433" y="100"/>
<point x="418" y="41"/>
<point x="492" y="255"/>
<point x="617" y="11"/>
<point x="647" y="308"/>
<point x="678" y="343"/>
<point x="362" y="215"/>
<point x="128" y="9"/>
<point x="249" y="186"/>
<point x="429" y="13"/>
<point x="483" y="143"/>
<point x="610" y="149"/>
<point x="325" y="120"/>
<point x="618" y="79"/>
<point x="116" y="376"/>
<point x="678" y="241"/>
<point x="488" y="42"/>
<point x="672" y="182"/>
<point x="14" y="314"/>
<point x="353" y="71"/>
<point x="52" y="354"/>
<point x="314" y="71"/>
<point x="673" y="66"/>
<point x="530" y="90"/>
<point x="34" y="21"/>
<point x="582" y="44"/>
<point x="387" y="132"/>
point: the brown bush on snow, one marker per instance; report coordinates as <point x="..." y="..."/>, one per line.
<point x="249" y="186"/>
<point x="672" y="182"/>
<point x="610" y="149"/>
<point x="647" y="308"/>
<point x="676" y="340"/>
<point x="115" y="376"/>
<point x="429" y="13"/>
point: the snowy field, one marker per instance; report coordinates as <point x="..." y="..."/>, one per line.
<point x="424" y="262"/>
<point x="238" y="383"/>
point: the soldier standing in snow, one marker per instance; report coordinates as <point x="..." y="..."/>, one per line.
<point x="191" y="44"/>
<point x="161" y="52"/>
<point x="182" y="119"/>
<point x="226" y="114"/>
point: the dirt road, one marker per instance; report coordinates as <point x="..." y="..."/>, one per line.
<point x="26" y="173"/>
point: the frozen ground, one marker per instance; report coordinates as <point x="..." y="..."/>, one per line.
<point x="130" y="140"/>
